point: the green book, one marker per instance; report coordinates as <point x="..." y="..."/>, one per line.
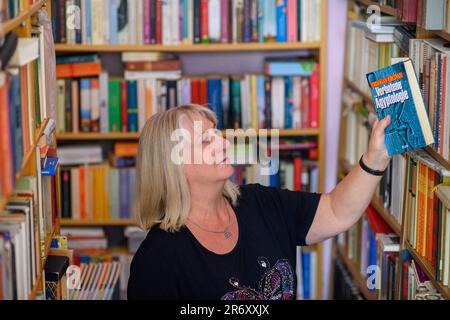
<point x="115" y="121"/>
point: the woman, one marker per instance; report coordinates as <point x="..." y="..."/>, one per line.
<point x="210" y="239"/>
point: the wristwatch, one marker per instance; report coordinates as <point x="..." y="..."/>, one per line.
<point x="370" y="170"/>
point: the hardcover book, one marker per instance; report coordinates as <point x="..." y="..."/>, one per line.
<point x="396" y="92"/>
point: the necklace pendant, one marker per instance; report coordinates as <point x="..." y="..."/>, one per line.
<point x="227" y="234"/>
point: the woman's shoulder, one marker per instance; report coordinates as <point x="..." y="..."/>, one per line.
<point x="158" y="243"/>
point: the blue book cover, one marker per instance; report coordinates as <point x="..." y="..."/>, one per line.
<point x="185" y="6"/>
<point x="132" y="106"/>
<point x="113" y="20"/>
<point x="124" y="193"/>
<point x="372" y="250"/>
<point x="261" y="93"/>
<point x="215" y="99"/>
<point x="289" y="67"/>
<point x="16" y="122"/>
<point x="261" y="21"/>
<point x="281" y="21"/>
<point x="131" y="190"/>
<point x="288" y="103"/>
<point x="306" y="264"/>
<point x="396" y="92"/>
<point x="246" y="22"/>
<point x="88" y="18"/>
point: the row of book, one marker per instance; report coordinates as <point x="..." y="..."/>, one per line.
<point x="365" y="54"/>
<point x="428" y="231"/>
<point x="185" y="21"/>
<point x="20" y="109"/>
<point x="104" y="268"/>
<point x="428" y="14"/>
<point x="28" y="220"/>
<point x="375" y="250"/>
<point x="11" y="8"/>
<point x="430" y="58"/>
<point x="250" y="101"/>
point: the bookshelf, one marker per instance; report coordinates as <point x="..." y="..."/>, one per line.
<point x="317" y="49"/>
<point x="30" y="159"/>
<point x="135" y="136"/>
<point x="400" y="229"/>
<point x="11" y="24"/>
<point x="184" y="48"/>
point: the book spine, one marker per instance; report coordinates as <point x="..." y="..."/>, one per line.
<point x="158" y="21"/>
<point x="314" y="97"/>
<point x="292" y="20"/>
<point x="153" y="21"/>
<point x="124" y="105"/>
<point x="85" y="104"/>
<point x="75" y="106"/>
<point x="224" y="22"/>
<point x="204" y="7"/>
<point x="113" y="21"/>
<point x="197" y="21"/>
<point x="132" y="106"/>
<point x="281" y="21"/>
<point x="115" y="118"/>
<point x="104" y="103"/>
<point x="68" y="105"/>
<point x="214" y="21"/>
<point x="246" y="26"/>
<point x="95" y="105"/>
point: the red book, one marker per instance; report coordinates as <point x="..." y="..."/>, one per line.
<point x="76" y="70"/>
<point x="195" y="91"/>
<point x="204" y="21"/>
<point x="203" y="88"/>
<point x="158" y="22"/>
<point x="292" y="22"/>
<point x="405" y="280"/>
<point x="147" y="24"/>
<point x="81" y="173"/>
<point x="124" y="105"/>
<point x="224" y="10"/>
<point x="305" y="103"/>
<point x="7" y="178"/>
<point x="297" y="174"/>
<point x="376" y="223"/>
<point x="314" y="97"/>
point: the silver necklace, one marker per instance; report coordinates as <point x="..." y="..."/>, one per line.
<point x="226" y="233"/>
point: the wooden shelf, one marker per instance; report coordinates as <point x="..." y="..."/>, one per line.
<point x="135" y="135"/>
<point x="377" y="203"/>
<point x="443" y="34"/>
<point x="354" y="270"/>
<point x="383" y="8"/>
<point x="217" y="47"/>
<point x="429" y="271"/>
<point x="119" y="222"/>
<point x="13" y="23"/>
<point x="436" y="156"/>
<point x="366" y="97"/>
<point x="48" y="242"/>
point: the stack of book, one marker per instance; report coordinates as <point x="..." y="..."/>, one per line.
<point x="287" y="96"/>
<point x="98" y="192"/>
<point x="430" y="58"/>
<point x="186" y="21"/>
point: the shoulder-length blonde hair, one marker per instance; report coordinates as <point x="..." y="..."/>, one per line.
<point x="162" y="191"/>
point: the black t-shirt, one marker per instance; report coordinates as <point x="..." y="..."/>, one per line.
<point x="272" y="222"/>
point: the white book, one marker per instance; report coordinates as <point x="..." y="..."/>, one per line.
<point x="246" y="116"/>
<point x="26" y="51"/>
<point x="69" y="155"/>
<point x="95" y="101"/>
<point x="83" y="21"/>
<point x="60" y="106"/>
<point x="104" y="102"/>
<point x="446" y="266"/>
<point x="97" y="22"/>
<point x="304" y="21"/>
<point x="106" y="22"/>
<point x="289" y="175"/>
<point x="163" y="75"/>
<point x="296" y="101"/>
<point x="277" y="102"/>
<point x="142" y="56"/>
<point x="190" y="21"/>
<point x="175" y="22"/>
<point x="166" y="30"/>
<point x="214" y="22"/>
<point x="132" y="26"/>
<point x="142" y="105"/>
<point x="234" y="9"/>
<point x="139" y="14"/>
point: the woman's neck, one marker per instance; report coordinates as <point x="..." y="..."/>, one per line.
<point x="207" y="204"/>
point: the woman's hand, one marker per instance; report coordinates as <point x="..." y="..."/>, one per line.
<point x="376" y="156"/>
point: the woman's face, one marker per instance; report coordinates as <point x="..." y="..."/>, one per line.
<point x="208" y="157"/>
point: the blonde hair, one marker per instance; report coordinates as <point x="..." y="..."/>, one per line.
<point x="162" y="191"/>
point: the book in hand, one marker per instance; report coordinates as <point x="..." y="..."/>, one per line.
<point x="396" y="92"/>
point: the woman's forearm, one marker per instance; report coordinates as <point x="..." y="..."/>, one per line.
<point x="352" y="195"/>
